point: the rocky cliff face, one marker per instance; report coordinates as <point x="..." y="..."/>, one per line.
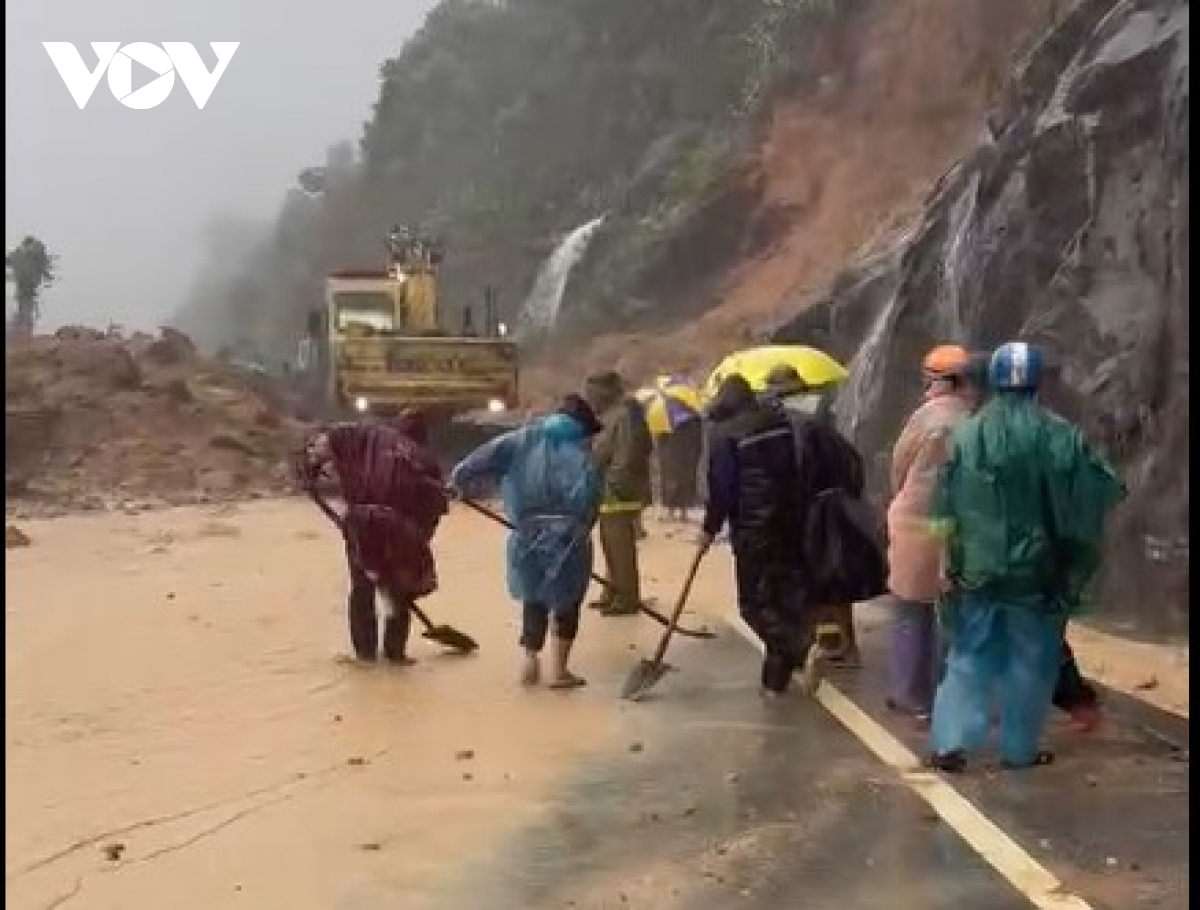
<point x="1067" y="226"/>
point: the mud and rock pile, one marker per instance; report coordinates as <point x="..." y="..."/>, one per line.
<point x="1067" y="226"/>
<point x="96" y="421"/>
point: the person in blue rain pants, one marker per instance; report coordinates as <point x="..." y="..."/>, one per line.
<point x="1021" y="503"/>
<point x="551" y="491"/>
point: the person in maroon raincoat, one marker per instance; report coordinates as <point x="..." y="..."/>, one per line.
<point x="395" y="497"/>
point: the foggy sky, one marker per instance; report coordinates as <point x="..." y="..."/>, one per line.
<point x="124" y="196"/>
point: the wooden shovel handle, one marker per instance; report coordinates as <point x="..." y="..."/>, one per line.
<point x="599" y="579"/>
<point x="673" y="620"/>
<point x="333" y="516"/>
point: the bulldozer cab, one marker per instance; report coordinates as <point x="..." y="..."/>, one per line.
<point x="395" y="302"/>
<point x="401" y="300"/>
<point x="387" y="343"/>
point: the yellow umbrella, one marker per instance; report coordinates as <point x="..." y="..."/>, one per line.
<point x="815" y="367"/>
<point x="669" y="403"/>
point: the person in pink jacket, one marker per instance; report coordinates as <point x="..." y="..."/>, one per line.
<point x="914" y="554"/>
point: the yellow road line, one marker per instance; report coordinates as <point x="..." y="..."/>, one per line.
<point x="986" y="838"/>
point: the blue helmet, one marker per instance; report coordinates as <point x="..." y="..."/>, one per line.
<point x="1015" y="366"/>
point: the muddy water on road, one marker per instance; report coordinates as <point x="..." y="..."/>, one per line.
<point x="172" y="696"/>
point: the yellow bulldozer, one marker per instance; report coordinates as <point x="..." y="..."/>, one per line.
<point x="381" y="343"/>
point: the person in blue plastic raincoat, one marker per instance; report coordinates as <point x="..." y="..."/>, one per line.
<point x="1021" y="503"/>
<point x="551" y="491"/>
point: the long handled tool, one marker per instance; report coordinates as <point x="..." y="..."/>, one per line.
<point x="599" y="579"/>
<point x="648" y="672"/>
<point x="446" y="636"/>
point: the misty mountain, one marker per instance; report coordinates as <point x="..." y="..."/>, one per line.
<point x="499" y="127"/>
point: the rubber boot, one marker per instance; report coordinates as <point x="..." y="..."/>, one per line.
<point x="364" y="624"/>
<point x="560" y="652"/>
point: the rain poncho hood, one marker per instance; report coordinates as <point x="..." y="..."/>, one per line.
<point x="1022" y="502"/>
<point x="395" y="497"/>
<point x="551" y="491"/>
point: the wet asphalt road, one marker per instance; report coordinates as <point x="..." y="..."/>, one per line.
<point x="720" y="800"/>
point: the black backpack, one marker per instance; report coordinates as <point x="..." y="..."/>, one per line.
<point x="845" y="556"/>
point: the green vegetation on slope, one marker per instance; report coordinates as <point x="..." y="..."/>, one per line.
<point x="500" y="126"/>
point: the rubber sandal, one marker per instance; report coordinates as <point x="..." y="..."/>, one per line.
<point x="616" y="610"/>
<point x="570" y="681"/>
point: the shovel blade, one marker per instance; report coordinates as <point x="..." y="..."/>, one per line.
<point x="451" y="638"/>
<point x="643" y="678"/>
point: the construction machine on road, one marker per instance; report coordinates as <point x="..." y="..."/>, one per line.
<point x="381" y="342"/>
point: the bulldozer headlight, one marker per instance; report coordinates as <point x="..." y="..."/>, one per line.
<point x="361" y="404"/>
<point x="497" y="406"/>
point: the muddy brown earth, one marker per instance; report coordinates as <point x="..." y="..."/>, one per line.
<point x="180" y="733"/>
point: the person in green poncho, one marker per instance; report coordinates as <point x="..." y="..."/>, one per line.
<point x="1021" y="504"/>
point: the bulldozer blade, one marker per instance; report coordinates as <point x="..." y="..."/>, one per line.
<point x="451" y="638"/>
<point x="643" y="678"/>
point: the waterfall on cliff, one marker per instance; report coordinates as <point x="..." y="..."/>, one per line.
<point x="539" y="312"/>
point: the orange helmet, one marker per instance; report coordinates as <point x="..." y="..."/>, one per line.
<point x="946" y="361"/>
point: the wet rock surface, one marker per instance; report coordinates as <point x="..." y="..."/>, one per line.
<point x="1068" y="226"/>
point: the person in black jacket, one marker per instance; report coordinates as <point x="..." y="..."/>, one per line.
<point x="811" y="412"/>
<point x="754" y="485"/>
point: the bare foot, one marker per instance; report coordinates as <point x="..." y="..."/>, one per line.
<point x="531" y="671"/>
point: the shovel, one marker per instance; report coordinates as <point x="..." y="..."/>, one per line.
<point x="446" y="636"/>
<point x="647" y="673"/>
<point x="599" y="579"/>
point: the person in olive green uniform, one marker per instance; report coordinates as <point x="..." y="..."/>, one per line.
<point x="622" y="452"/>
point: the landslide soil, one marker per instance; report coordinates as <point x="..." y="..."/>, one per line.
<point x="847" y="162"/>
<point x="96" y="421"/>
